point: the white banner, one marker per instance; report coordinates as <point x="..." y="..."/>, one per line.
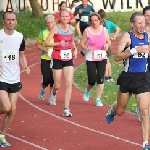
<point x="51" y="6"/>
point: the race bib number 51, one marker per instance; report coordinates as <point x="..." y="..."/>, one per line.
<point x="66" y="54"/>
<point x="9" y="56"/>
<point x="99" y="54"/>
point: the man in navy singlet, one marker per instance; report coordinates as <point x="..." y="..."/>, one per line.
<point x="134" y="79"/>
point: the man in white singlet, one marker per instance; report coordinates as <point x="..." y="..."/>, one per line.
<point x="12" y="46"/>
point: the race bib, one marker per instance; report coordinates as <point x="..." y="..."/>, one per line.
<point x="84" y="18"/>
<point x="140" y="55"/>
<point x="9" y="56"/>
<point x="100" y="54"/>
<point x="66" y="54"/>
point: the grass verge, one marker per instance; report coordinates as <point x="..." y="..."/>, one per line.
<point x="110" y="88"/>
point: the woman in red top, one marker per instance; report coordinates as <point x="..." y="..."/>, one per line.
<point x="63" y="54"/>
<point x="62" y="6"/>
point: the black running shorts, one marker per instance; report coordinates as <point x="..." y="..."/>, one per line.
<point x="10" y="88"/>
<point x="135" y="83"/>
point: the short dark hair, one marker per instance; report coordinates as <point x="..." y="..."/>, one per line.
<point x="10" y="12"/>
<point x="145" y="9"/>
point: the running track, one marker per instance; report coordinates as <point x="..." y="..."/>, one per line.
<point x="38" y="125"/>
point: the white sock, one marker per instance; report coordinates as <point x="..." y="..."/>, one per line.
<point x="1" y="135"/>
<point x="145" y="143"/>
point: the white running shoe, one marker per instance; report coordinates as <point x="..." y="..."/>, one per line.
<point x="67" y="112"/>
<point x="52" y="99"/>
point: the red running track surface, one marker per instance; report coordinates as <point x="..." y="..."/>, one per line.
<point x="38" y="125"/>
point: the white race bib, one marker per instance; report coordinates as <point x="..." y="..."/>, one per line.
<point x="84" y="18"/>
<point x="99" y="54"/>
<point x="140" y="55"/>
<point x="9" y="56"/>
<point x="66" y="54"/>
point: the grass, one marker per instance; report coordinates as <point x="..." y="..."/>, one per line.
<point x="110" y="88"/>
<point x="30" y="25"/>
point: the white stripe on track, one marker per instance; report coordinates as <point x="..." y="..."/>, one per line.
<point x="24" y="141"/>
<point x="73" y="123"/>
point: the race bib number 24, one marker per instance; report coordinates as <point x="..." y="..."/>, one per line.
<point x="9" y="56"/>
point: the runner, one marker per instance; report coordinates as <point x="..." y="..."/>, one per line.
<point x="135" y="79"/>
<point x="84" y="11"/>
<point x="46" y="60"/>
<point x="95" y="55"/>
<point x="146" y="13"/>
<point x="12" y="48"/>
<point x="62" y="6"/>
<point x="64" y="49"/>
<point x="110" y="27"/>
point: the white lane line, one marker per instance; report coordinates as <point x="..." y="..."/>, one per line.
<point x="71" y="122"/>
<point x="76" y="124"/>
<point x="24" y="141"/>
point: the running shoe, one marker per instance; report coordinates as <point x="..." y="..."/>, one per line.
<point x="86" y="96"/>
<point x="111" y="80"/>
<point x="110" y="115"/>
<point x="42" y="94"/>
<point x="98" y="102"/>
<point x="52" y="99"/>
<point x="67" y="112"/>
<point x="147" y="147"/>
<point x="138" y="113"/>
<point x="3" y="142"/>
<point x="107" y="80"/>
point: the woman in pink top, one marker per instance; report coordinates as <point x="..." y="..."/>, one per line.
<point x="95" y="41"/>
<point x="62" y="6"/>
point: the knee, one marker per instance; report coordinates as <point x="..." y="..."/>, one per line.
<point x="56" y="86"/>
<point x="91" y="83"/>
<point x="7" y="108"/>
<point x="13" y="110"/>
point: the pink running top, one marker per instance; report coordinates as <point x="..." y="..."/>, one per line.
<point x="95" y="42"/>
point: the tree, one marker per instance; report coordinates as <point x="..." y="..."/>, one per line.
<point x="36" y="8"/>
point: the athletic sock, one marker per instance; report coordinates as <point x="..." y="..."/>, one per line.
<point x="106" y="78"/>
<point x="1" y="135"/>
<point x="145" y="143"/>
<point x="109" y="77"/>
<point x="54" y="94"/>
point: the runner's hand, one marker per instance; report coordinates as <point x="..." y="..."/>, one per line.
<point x="27" y="69"/>
<point x="106" y="46"/>
<point x="142" y="49"/>
<point x="75" y="53"/>
<point x="62" y="43"/>
<point x="80" y="11"/>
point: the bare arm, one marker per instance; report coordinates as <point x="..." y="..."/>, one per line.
<point x="83" y="41"/>
<point x="116" y="33"/>
<point x="41" y="47"/>
<point x="73" y="44"/>
<point x="23" y="62"/>
<point x="50" y="36"/>
<point x="124" y="42"/>
<point x="107" y="40"/>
